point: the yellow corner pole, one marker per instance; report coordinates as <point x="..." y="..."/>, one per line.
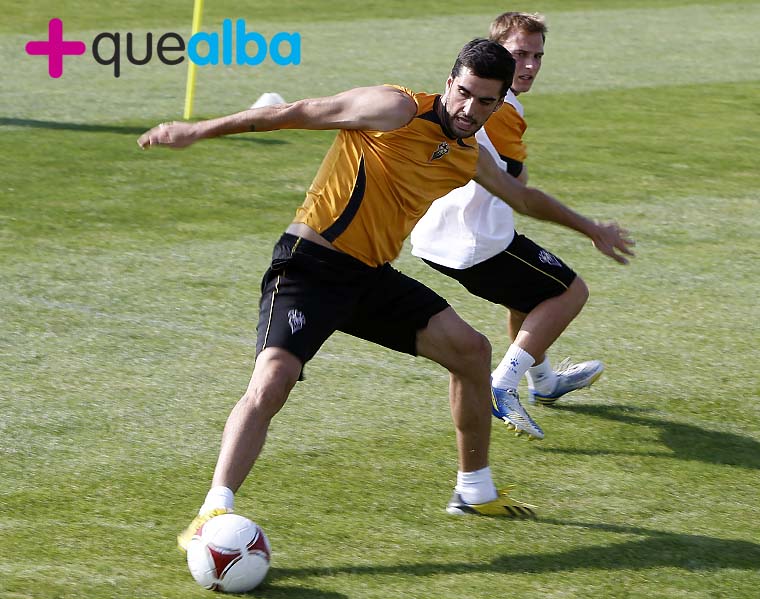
<point x="191" y="66"/>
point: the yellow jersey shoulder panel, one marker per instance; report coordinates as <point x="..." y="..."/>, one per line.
<point x="373" y="186"/>
<point x="505" y="129"/>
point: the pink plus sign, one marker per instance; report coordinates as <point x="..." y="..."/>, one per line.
<point x="55" y="48"/>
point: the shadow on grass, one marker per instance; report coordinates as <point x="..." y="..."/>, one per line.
<point x="118" y="129"/>
<point x="275" y="592"/>
<point x="657" y="549"/>
<point x="686" y="442"/>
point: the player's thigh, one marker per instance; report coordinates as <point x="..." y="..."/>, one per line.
<point x="393" y="308"/>
<point x="305" y="295"/>
<point x="520" y="277"/>
<point x="536" y="274"/>
<point x="454" y="344"/>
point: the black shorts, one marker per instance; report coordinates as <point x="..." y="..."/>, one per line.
<point x="520" y="277"/>
<point x="310" y="291"/>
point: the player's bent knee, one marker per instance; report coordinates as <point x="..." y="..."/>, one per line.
<point x="264" y="401"/>
<point x="473" y="350"/>
<point x="273" y="378"/>
<point x="454" y="344"/>
<point x="477" y="345"/>
<point x="580" y="291"/>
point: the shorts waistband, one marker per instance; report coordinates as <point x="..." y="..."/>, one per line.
<point x="301" y="245"/>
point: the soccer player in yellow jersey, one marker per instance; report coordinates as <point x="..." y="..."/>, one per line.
<point x="469" y="235"/>
<point x="394" y="154"/>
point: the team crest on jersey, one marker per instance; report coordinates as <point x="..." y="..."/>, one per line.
<point x="296" y="320"/>
<point x="441" y="151"/>
<point x="548" y="258"/>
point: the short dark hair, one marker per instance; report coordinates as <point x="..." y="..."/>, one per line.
<point x="488" y="60"/>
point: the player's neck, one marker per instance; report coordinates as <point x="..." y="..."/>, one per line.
<point x="439" y="106"/>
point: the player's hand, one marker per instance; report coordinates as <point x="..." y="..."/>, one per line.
<point x="613" y="241"/>
<point x="173" y="135"/>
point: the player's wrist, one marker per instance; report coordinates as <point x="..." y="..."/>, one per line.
<point x="203" y="130"/>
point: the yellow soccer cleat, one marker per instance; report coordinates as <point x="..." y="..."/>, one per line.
<point x="503" y="505"/>
<point x="186" y="535"/>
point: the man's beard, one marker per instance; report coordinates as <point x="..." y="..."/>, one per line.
<point x="447" y="122"/>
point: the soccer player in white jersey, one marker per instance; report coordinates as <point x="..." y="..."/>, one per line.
<point x="469" y="235"/>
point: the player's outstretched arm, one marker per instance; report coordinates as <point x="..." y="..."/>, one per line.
<point x="381" y="108"/>
<point x="607" y="237"/>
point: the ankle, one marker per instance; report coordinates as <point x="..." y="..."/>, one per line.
<point x="541" y="377"/>
<point x="476" y="487"/>
<point x="218" y="497"/>
<point x="512" y="367"/>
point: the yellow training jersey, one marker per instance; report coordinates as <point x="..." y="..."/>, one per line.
<point x="505" y="129"/>
<point x="373" y="186"/>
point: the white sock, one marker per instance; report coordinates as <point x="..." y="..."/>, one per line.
<point x="218" y="497"/>
<point x="512" y="367"/>
<point x="476" y="487"/>
<point x="541" y="377"/>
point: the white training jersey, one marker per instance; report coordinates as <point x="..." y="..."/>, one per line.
<point x="469" y="224"/>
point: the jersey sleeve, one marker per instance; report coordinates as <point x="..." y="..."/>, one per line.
<point x="407" y="91"/>
<point x="505" y="129"/>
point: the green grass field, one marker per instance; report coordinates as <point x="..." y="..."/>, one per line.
<point x="129" y="298"/>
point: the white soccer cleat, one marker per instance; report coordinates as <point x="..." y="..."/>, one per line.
<point x="506" y="406"/>
<point x="268" y="99"/>
<point x="569" y="378"/>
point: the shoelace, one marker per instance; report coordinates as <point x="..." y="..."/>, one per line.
<point x="566" y="366"/>
<point x="520" y="410"/>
